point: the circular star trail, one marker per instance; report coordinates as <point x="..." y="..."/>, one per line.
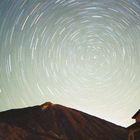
<point x="80" y="53"/>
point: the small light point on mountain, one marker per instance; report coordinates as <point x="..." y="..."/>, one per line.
<point x="46" y="105"/>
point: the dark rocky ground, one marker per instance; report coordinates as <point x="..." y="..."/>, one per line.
<point x="55" y="122"/>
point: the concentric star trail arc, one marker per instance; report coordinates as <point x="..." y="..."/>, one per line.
<point x="82" y="54"/>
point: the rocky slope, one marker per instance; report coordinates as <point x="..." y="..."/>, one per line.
<point x="55" y="122"/>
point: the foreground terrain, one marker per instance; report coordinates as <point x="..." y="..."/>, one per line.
<point x="55" y="122"/>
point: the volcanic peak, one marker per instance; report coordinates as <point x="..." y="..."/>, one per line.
<point x="46" y="105"/>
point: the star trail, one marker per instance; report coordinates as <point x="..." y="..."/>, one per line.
<point x="80" y="53"/>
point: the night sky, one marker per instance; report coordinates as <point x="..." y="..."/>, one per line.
<point x="83" y="54"/>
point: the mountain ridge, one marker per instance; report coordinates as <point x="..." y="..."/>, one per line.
<point x="56" y="122"/>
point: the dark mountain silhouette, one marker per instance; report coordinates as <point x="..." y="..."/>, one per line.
<point x="55" y="122"/>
